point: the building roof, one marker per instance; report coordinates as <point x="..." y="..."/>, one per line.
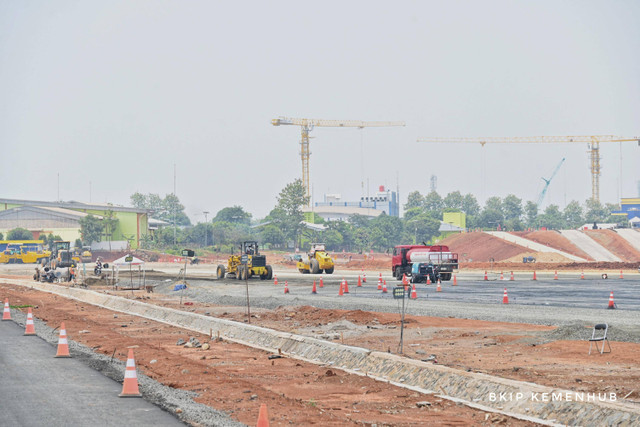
<point x="72" y="205"/>
<point x="344" y="210"/>
<point x="48" y="211"/>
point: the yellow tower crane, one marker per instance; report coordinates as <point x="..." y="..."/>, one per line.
<point x="307" y="125"/>
<point x="592" y="141"/>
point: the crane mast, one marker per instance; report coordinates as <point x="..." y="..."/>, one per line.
<point x="307" y="125"/>
<point x="593" y="142"/>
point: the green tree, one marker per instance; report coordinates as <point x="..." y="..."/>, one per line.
<point x="552" y="218"/>
<point x="470" y="205"/>
<point x="386" y="231"/>
<point x="433" y="204"/>
<point x="234" y="214"/>
<point x="110" y="223"/>
<point x="291" y="200"/>
<point x="422" y="228"/>
<point x="495" y="204"/>
<point x="1" y="236"/>
<point x="272" y="235"/>
<point x="414" y="200"/>
<point x="573" y="215"/>
<point x="531" y="212"/>
<point x="19" y="234"/>
<point x="512" y="207"/>
<point x="91" y="229"/>
<point x="594" y="211"/>
<point x="333" y="239"/>
<point x="453" y="200"/>
<point x="359" y="221"/>
<point x="167" y="209"/>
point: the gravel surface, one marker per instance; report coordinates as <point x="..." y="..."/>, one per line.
<point x="167" y="398"/>
<point x="624" y="324"/>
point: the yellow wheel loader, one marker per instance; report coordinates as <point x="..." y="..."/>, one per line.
<point x="318" y="260"/>
<point x="256" y="264"/>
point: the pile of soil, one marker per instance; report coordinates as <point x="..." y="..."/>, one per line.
<point x="554" y="240"/>
<point x="481" y="247"/>
<point x="615" y="244"/>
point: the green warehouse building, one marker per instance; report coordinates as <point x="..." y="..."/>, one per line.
<point x="62" y="218"/>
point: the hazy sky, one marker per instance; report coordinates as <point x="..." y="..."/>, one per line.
<point x="114" y="93"/>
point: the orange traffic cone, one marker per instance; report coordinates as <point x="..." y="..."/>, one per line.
<point x="485" y="276"/>
<point x="612" y="304"/>
<point x="405" y="282"/>
<point x="621" y="275"/>
<point x="263" y="418"/>
<point x="359" y="282"/>
<point x="534" y="275"/>
<point x="364" y="276"/>
<point x="314" y="291"/>
<point x="380" y="282"/>
<point x="286" y="287"/>
<point x="30" y="328"/>
<point x="130" y="384"/>
<point x="555" y="275"/>
<point x="6" y="314"/>
<point x="275" y="279"/>
<point x="455" y="280"/>
<point x="428" y="279"/>
<point x="384" y="287"/>
<point x="439" y="288"/>
<point x="501" y="276"/>
<point x="346" y="287"/>
<point x="414" y="294"/>
<point x="582" y="275"/>
<point x="321" y="283"/>
<point x="512" y="278"/>
<point x="63" y="345"/>
<point x="341" y="291"/>
<point x="505" y="297"/>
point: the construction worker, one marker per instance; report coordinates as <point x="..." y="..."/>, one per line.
<point x="72" y="274"/>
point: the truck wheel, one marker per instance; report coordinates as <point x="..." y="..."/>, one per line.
<point x="446" y="276"/>
<point x="315" y="268"/>
<point x="241" y="273"/>
<point x="267" y="274"/>
<point x="399" y="272"/>
<point x="220" y="272"/>
<point x="329" y="270"/>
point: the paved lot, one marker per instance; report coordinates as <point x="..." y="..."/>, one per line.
<point x="37" y="389"/>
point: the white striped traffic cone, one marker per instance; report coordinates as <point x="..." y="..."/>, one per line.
<point x="63" y="344"/>
<point x="130" y="384"/>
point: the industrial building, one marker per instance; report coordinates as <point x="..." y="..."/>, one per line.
<point x="630" y="208"/>
<point x="334" y="209"/>
<point x="62" y="219"/>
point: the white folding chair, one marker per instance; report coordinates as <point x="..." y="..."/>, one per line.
<point x="600" y="338"/>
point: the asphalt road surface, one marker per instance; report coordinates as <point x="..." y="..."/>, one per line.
<point x="37" y="389"/>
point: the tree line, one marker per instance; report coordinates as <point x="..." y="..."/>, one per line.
<point x="284" y="228"/>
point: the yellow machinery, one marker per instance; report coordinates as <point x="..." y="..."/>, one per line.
<point x="318" y="260"/>
<point x="256" y="264"/>
<point x="307" y="125"/>
<point x="592" y="141"/>
<point x="22" y="252"/>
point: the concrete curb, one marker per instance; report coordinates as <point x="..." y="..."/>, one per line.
<point x="523" y="400"/>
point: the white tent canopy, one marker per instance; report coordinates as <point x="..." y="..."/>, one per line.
<point x="128" y="260"/>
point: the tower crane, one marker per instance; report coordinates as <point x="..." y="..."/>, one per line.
<point x="592" y="141"/>
<point x="307" y="125"/>
<point x="547" y="182"/>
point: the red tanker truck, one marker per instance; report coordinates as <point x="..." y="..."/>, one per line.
<point x="438" y="258"/>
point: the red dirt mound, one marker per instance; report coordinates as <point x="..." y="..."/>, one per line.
<point x="481" y="247"/>
<point x="615" y="244"/>
<point x="554" y="240"/>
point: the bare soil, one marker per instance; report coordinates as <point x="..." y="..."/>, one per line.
<point x="615" y="244"/>
<point x="481" y="247"/>
<point x="555" y="240"/>
<point x="237" y="379"/>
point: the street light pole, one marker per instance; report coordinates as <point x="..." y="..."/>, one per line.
<point x="206" y="228"/>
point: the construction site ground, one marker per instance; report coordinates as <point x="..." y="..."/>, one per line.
<point x="236" y="379"/>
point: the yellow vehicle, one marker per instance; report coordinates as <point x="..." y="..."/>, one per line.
<point x="317" y="260"/>
<point x="256" y="264"/>
<point x="22" y="252"/>
<point x="86" y="255"/>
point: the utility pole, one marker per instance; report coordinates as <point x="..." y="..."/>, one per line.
<point x="206" y="228"/>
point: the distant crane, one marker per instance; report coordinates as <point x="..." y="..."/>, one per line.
<point x="592" y="141"/>
<point x="307" y="125"/>
<point x="547" y="182"/>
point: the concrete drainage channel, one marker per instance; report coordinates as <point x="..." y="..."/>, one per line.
<point x="527" y="401"/>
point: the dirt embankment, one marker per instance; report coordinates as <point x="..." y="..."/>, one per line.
<point x="615" y="244"/>
<point x="554" y="240"/>
<point x="481" y="247"/>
